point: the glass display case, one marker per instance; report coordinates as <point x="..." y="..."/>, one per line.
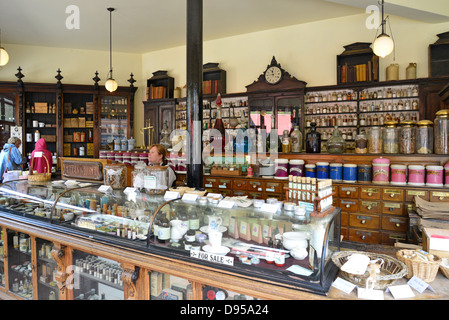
<point x="114" y="123"/>
<point x="269" y="241"/>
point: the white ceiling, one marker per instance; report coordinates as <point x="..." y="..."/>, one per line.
<point x="140" y="26"/>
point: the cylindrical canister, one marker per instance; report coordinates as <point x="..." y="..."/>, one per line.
<point x="336" y="171"/>
<point x="297" y="168"/>
<point x="364" y="173"/>
<point x="381" y="171"/>
<point x="416" y="175"/>
<point x="398" y="174"/>
<point x="310" y="170"/>
<point x="349" y="172"/>
<point x="281" y="169"/>
<point x="322" y="170"/>
<point x="143" y="157"/>
<point x="127" y="158"/>
<point x="434" y="176"/>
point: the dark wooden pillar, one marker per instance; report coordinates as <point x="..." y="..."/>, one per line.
<point x="194" y="92"/>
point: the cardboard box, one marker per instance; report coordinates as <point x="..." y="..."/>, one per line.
<point x="67" y="149"/>
<point x="81" y="122"/>
<point x="41" y="107"/>
<point x="49" y="138"/>
<point x="73" y="122"/>
<point x="89" y="107"/>
<point x="436" y="241"/>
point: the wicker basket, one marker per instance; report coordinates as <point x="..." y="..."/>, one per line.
<point x="425" y="270"/>
<point x="41" y="177"/>
<point x="390" y="270"/>
<point x="444" y="267"/>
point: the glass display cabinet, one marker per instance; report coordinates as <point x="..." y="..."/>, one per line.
<point x="266" y="242"/>
<point x="114" y="119"/>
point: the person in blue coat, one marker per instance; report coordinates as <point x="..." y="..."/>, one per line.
<point x="10" y="149"/>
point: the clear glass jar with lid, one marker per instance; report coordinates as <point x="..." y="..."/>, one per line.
<point x="361" y="143"/>
<point x="157" y="179"/>
<point x="424" y="137"/>
<point x="138" y="175"/>
<point x="375" y="140"/>
<point x="407" y="137"/>
<point x="390" y="139"/>
<point x="336" y="143"/>
<point x="115" y="175"/>
<point x="441" y="132"/>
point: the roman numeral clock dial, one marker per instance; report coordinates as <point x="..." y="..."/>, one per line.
<point x="273" y="75"/>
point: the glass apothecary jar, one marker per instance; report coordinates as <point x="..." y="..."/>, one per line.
<point x="424" y="137"/>
<point x="313" y="140"/>
<point x="156" y="182"/>
<point x="361" y="143"/>
<point x="441" y="132"/>
<point x="115" y="175"/>
<point x="407" y="137"/>
<point x="375" y="140"/>
<point x="390" y="139"/>
<point x="138" y="175"/>
<point x="336" y="143"/>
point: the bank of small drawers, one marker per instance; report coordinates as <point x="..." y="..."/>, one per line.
<point x="241" y="186"/>
<point x="378" y="213"/>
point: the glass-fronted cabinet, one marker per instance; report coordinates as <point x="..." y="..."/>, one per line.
<point x="114" y="123"/>
<point x="20" y="264"/>
<point x="265" y="242"/>
<point x="96" y="278"/>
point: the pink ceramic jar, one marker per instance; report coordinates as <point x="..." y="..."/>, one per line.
<point x="434" y="176"/>
<point x="416" y="175"/>
<point x="398" y="174"/>
<point x="381" y="170"/>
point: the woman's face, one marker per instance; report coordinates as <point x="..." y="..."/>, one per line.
<point x="154" y="157"/>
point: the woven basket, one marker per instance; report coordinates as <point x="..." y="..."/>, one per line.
<point x="444" y="267"/>
<point x="390" y="270"/>
<point x="425" y="270"/>
<point x="40" y="177"/>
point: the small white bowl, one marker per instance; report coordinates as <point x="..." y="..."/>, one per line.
<point x="289" y="206"/>
<point x="299" y="253"/>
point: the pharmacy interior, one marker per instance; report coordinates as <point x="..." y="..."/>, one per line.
<point x="302" y="192"/>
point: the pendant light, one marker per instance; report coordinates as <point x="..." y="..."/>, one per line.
<point x="4" y="56"/>
<point x="111" y="84"/>
<point x="383" y="45"/>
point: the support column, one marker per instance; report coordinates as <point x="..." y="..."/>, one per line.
<point x="194" y="92"/>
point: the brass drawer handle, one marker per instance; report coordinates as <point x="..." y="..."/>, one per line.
<point x="348" y="193"/>
<point x="398" y="225"/>
<point x="348" y="206"/>
<point x="363" y="237"/>
<point x="369" y="207"/>
<point x="391" y="209"/>
<point x="363" y="221"/>
<point x="392" y="195"/>
<point x="370" y="194"/>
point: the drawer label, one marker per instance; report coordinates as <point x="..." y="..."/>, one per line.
<point x="348" y="189"/>
<point x="392" y="205"/>
<point x="369" y="203"/>
<point x="440" y="194"/>
<point x="392" y="191"/>
<point x="347" y="202"/>
<point x="370" y="190"/>
<point x="416" y="193"/>
<point x="393" y="220"/>
<point x="364" y="218"/>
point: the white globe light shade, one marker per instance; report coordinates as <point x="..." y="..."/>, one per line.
<point x="111" y="85"/>
<point x="4" y="57"/>
<point x="383" y="45"/>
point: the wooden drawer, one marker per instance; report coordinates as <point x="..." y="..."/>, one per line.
<point x="344" y="218"/>
<point x="370" y="193"/>
<point x="239" y="184"/>
<point x="364" y="221"/>
<point x="437" y="196"/>
<point x="344" y="233"/>
<point x="394" y="194"/>
<point x="224" y="184"/>
<point x="254" y="195"/>
<point x="349" y="205"/>
<point x="390" y="238"/>
<point x="275" y="187"/>
<point x="395" y="224"/>
<point x="364" y="236"/>
<point x="255" y="186"/>
<point x="411" y="193"/>
<point x="370" y="206"/>
<point x="391" y="207"/>
<point x="210" y="183"/>
<point x="348" y="192"/>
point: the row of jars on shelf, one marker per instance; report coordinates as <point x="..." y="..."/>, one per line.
<point x="365" y="119"/>
<point x="380" y="93"/>
<point x="407" y="137"/>
<point x="364" y="107"/>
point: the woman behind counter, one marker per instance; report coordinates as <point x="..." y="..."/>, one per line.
<point x="158" y="156"/>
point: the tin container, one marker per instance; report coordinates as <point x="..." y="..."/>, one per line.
<point x="364" y="173"/>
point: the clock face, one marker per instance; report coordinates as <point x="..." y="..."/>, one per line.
<point x="273" y="75"/>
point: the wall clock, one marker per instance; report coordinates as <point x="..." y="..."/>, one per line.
<point x="274" y="73"/>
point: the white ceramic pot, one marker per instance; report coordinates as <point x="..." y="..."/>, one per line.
<point x="294" y="239"/>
